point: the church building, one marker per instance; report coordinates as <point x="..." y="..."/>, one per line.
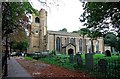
<point x="41" y="39"/>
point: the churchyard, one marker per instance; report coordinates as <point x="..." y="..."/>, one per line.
<point x="98" y="65"/>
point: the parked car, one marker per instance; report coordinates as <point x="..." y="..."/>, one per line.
<point x="37" y="55"/>
<point x="19" y="53"/>
<point x="44" y="54"/>
<point x="13" y="54"/>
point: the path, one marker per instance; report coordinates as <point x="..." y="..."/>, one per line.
<point x="16" y="70"/>
<point x="39" y="69"/>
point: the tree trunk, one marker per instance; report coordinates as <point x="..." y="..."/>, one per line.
<point x="92" y="46"/>
<point x="83" y="44"/>
<point x="1" y="39"/>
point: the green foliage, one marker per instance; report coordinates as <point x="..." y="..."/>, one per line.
<point x="75" y="32"/>
<point x="110" y="39"/>
<point x="19" y="35"/>
<point x="64" y="30"/>
<point x="84" y="31"/>
<point x="58" y="60"/>
<point x="94" y="34"/>
<point x="28" y="58"/>
<point x="98" y="56"/>
<point x="117" y="45"/>
<point x="14" y="15"/>
<point x="22" y="45"/>
<point x="63" y="61"/>
<point x="99" y="15"/>
<point x="53" y="52"/>
<point x="14" y="45"/>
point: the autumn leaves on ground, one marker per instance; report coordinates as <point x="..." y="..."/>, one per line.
<point x="40" y="69"/>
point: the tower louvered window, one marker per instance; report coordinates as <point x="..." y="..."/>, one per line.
<point x="37" y="20"/>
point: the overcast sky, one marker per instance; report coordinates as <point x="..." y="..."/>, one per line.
<point x="66" y="15"/>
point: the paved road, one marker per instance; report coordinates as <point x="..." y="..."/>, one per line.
<point x="16" y="70"/>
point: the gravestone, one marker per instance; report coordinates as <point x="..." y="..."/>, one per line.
<point x="71" y="58"/>
<point x="107" y="52"/>
<point x="102" y="64"/>
<point x="89" y="61"/>
<point x="79" y="59"/>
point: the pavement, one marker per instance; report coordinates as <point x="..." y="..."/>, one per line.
<point x="16" y="70"/>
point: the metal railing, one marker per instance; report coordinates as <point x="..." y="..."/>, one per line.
<point x="108" y="69"/>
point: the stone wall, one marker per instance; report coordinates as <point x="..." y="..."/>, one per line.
<point x="46" y="40"/>
<point x="38" y="32"/>
<point x="52" y="42"/>
<point x="70" y="47"/>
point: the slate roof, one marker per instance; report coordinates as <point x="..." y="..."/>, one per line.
<point x="67" y="45"/>
<point x="63" y="33"/>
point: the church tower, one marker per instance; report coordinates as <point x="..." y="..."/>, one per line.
<point x="43" y="29"/>
<point x="38" y="30"/>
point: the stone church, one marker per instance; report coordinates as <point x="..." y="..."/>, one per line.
<point x="41" y="39"/>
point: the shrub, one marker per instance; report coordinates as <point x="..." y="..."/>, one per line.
<point x="117" y="54"/>
<point x="52" y="53"/>
<point x="29" y="55"/>
<point x="28" y="58"/>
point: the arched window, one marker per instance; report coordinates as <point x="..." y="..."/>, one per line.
<point x="58" y="44"/>
<point x="67" y="40"/>
<point x="37" y="20"/>
<point x="80" y="45"/>
<point x="72" y="40"/>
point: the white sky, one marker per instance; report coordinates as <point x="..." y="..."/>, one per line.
<point x="65" y="16"/>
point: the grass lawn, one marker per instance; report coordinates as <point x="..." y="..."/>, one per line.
<point x="59" y="60"/>
<point x="28" y="58"/>
<point x="63" y="61"/>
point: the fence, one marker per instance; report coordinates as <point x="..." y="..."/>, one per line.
<point x="106" y="68"/>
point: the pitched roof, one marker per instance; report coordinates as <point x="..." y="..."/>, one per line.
<point x="63" y="33"/>
<point x="67" y="45"/>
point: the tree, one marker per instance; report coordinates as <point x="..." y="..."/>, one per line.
<point x="14" y="15"/>
<point x="21" y="45"/>
<point x="102" y="15"/>
<point x="94" y="34"/>
<point x="19" y="35"/>
<point x="83" y="31"/>
<point x="74" y="31"/>
<point x="118" y="44"/>
<point x="110" y="40"/>
<point x="64" y="30"/>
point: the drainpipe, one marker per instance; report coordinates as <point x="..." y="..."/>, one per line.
<point x="54" y="42"/>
